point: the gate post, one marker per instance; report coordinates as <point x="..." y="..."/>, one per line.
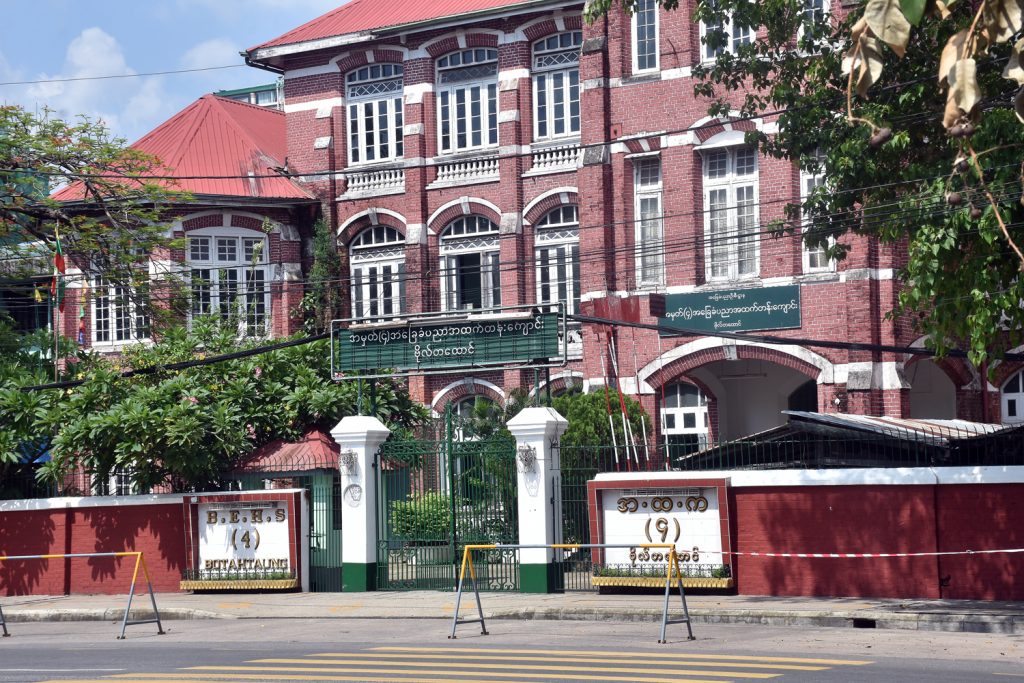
<point x="539" y="477"/>
<point x="359" y="437"/>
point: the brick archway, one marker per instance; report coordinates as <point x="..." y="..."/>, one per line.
<point x="686" y="364"/>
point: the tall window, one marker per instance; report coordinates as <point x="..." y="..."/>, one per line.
<point x="814" y="13"/>
<point x="374" y="96"/>
<point x="377" y="262"/>
<point x="730" y="200"/>
<point x="684" y="419"/>
<point x="645" y="36"/>
<point x="650" y="226"/>
<point x="118" y="314"/>
<point x="556" y="85"/>
<point x="470" y="270"/>
<point x="467" y="100"/>
<point x="723" y="36"/>
<point x="230" y="278"/>
<point x="815" y="257"/>
<point x="1013" y="399"/>
<point x="557" y="243"/>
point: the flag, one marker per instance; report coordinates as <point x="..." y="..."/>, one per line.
<point x="60" y="268"/>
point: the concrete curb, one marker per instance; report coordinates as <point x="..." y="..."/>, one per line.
<point x="966" y="623"/>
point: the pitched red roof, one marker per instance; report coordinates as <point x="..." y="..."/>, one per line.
<point x="315" y="451"/>
<point x="364" y="15"/>
<point x="215" y="136"/>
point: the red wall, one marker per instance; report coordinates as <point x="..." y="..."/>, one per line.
<point x="155" y="530"/>
<point x="880" y="519"/>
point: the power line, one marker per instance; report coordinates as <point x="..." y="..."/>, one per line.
<point x="111" y="76"/>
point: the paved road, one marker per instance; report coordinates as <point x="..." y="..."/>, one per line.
<point x="417" y="651"/>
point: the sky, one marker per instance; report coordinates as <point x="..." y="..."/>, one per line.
<point x="53" y="39"/>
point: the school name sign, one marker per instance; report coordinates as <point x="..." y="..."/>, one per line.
<point x="444" y="345"/>
<point x="734" y="310"/>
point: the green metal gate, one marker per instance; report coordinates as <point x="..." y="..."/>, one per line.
<point x="437" y="495"/>
<point x="323" y="493"/>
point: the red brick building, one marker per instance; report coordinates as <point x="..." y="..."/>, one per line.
<point x="243" y="229"/>
<point x="473" y="153"/>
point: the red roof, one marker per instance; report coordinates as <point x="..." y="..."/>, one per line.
<point x="315" y="451"/>
<point x="227" y="139"/>
<point x="364" y="15"/>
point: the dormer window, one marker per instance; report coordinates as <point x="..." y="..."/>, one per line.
<point x="467" y="100"/>
<point x="374" y="96"/>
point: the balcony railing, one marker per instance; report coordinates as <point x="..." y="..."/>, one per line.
<point x="375" y="182"/>
<point x="556" y="159"/>
<point x="468" y="171"/>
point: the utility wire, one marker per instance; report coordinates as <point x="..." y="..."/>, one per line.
<point x="111" y="76"/>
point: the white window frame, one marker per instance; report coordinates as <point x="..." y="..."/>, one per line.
<point x="734" y="235"/>
<point x="706" y="54"/>
<point x="809" y="181"/>
<point x="557" y="243"/>
<point x="459" y="91"/>
<point x="219" y="261"/>
<point x="556" y="84"/>
<point x="377" y="272"/>
<point x="676" y="414"/>
<point x="108" y="299"/>
<point x="1012" y="401"/>
<point x="459" y="239"/>
<point x="643" y="8"/>
<point x="379" y="132"/>
<point x="826" y="13"/>
<point x="649" y="215"/>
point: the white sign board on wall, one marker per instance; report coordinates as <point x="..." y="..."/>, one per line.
<point x="685" y="517"/>
<point x="249" y="539"/>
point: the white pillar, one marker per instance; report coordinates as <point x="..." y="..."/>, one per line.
<point x="537" y="431"/>
<point x="359" y="437"/>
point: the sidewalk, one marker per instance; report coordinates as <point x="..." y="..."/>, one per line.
<point x="924" y="615"/>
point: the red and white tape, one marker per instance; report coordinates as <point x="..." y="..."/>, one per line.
<point x="862" y="555"/>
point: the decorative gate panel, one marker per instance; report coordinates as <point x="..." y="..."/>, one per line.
<point x="434" y="498"/>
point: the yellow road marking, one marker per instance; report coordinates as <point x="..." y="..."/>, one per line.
<point x="500" y="667"/>
<point x="234" y="605"/>
<point x="997" y="673"/>
<point x="651" y="659"/>
<point x="213" y="678"/>
<point x="602" y="653"/>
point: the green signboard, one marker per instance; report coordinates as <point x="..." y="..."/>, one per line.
<point x="734" y="310"/>
<point x="443" y="345"/>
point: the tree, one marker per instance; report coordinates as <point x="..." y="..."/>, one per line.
<point x="185" y="428"/>
<point x="323" y="302"/>
<point x="114" y="212"/>
<point x="890" y="169"/>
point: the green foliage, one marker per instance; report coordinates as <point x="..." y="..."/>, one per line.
<point x="120" y="209"/>
<point x="186" y="428"/>
<point x="589" y="426"/>
<point x="962" y="284"/>
<point x="323" y="301"/>
<point x="427" y="516"/>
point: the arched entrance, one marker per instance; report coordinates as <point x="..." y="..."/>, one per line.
<point x="932" y="392"/>
<point x="749" y="385"/>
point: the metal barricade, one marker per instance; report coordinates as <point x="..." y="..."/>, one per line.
<point x="673" y="573"/>
<point x="139" y="562"/>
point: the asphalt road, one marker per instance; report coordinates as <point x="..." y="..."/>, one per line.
<point x="243" y="651"/>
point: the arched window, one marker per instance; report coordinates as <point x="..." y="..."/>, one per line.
<point x="557" y="243"/>
<point x="1013" y="399"/>
<point x="374" y="97"/>
<point x="467" y="100"/>
<point x="556" y="85"/>
<point x="377" y="266"/>
<point x="684" y="419"/>
<point x="229" y="272"/>
<point x="730" y="216"/>
<point x="470" y="272"/>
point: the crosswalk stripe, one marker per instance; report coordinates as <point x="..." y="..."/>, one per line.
<point x="480" y="665"/>
<point x="519" y="671"/>
<point x="220" y="677"/>
<point x="603" y="653"/>
<point x="648" y="658"/>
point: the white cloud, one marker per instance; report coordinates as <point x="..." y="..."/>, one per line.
<point x="233" y="8"/>
<point x="128" y="106"/>
<point x="215" y="52"/>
